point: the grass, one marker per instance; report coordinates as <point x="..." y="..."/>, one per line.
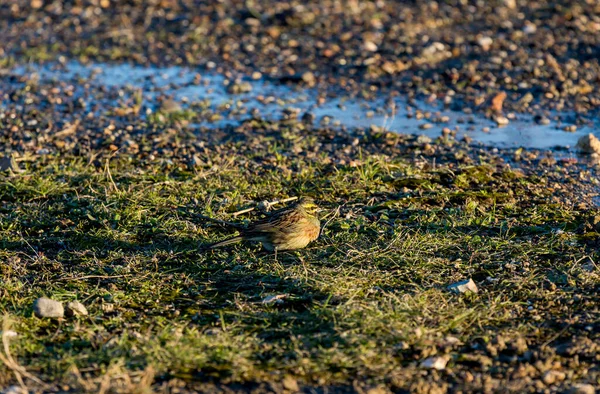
<point x="366" y="303"/>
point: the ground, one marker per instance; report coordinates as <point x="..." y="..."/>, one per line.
<point x="109" y="213"/>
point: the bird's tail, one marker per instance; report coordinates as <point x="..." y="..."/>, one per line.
<point x="227" y="241"/>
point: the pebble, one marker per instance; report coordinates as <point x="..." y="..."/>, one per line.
<point x="437" y="362"/>
<point x="289" y="383"/>
<point x="589" y="144"/>
<point x="8" y="163"/>
<point x="45" y="307"/>
<point x="542" y="120"/>
<point x="76" y="308"/>
<point x="501" y="120"/>
<point x="485" y="42"/>
<point x="552" y="377"/>
<point x="274" y="299"/>
<point x="169" y="106"/>
<point x="571" y="128"/>
<point x="465" y="286"/>
<point x="425" y="126"/>
<point x="13" y="390"/>
<point x="582" y="388"/>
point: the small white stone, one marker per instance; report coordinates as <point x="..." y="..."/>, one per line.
<point x="438" y="363"/>
<point x="465" y="286"/>
<point x="45" y="307"/>
<point x="501" y="120"/>
<point x="76" y="308"/>
<point x="582" y="388"/>
<point x="13" y="390"/>
<point x="485" y="42"/>
<point x="370" y="46"/>
<point x="274" y="299"/>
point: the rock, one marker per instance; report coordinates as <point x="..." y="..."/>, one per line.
<point x="76" y="308"/>
<point x="370" y="46"/>
<point x="437" y="362"/>
<point x="274" y="299"/>
<point x="308" y="118"/>
<point x="45" y="307"/>
<point x="378" y="390"/>
<point x="589" y="144"/>
<point x="169" y="106"/>
<point x="582" y="388"/>
<point x="485" y="42"/>
<point x="497" y="102"/>
<point x="501" y="120"/>
<point x="423" y="139"/>
<point x="542" y="120"/>
<point x="529" y="28"/>
<point x="425" y="126"/>
<point x="239" y="88"/>
<point x="8" y="163"/>
<point x="552" y="377"/>
<point x="309" y="78"/>
<point x="570" y="129"/>
<point x="289" y="383"/>
<point x="13" y="390"/>
<point x="465" y="286"/>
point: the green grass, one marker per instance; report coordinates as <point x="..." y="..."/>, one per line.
<point x="366" y="302"/>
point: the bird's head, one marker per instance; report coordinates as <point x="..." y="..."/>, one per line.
<point x="309" y="206"/>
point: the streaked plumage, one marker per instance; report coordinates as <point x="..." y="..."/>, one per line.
<point x="289" y="228"/>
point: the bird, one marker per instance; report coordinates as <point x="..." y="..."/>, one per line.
<point x="289" y="228"/>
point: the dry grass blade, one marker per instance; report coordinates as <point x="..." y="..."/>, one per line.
<point x="11" y="363"/>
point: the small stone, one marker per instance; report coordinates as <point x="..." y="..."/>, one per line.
<point x="497" y="102"/>
<point x="378" y="390"/>
<point x="570" y="129"/>
<point x="465" y="286"/>
<point x="289" y="383"/>
<point x="438" y="363"/>
<point x="542" y="120"/>
<point x="45" y="307"/>
<point x="485" y="42"/>
<point x="8" y="163"/>
<point x="239" y="88"/>
<point x="76" y="308"/>
<point x="552" y="377"/>
<point x="425" y="126"/>
<point x="529" y="28"/>
<point x="308" y="118"/>
<point x="370" y="46"/>
<point x="501" y="120"/>
<point x="589" y="144"/>
<point x="169" y="106"/>
<point x="13" y="390"/>
<point x="582" y="388"/>
<point x="256" y="75"/>
<point x="274" y="299"/>
<point x="309" y="78"/>
<point x="423" y="139"/>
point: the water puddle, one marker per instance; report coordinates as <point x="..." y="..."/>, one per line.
<point x="214" y="93"/>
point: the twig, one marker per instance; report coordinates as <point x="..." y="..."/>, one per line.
<point x="91" y="277"/>
<point x="12" y="364"/>
<point x="266" y="204"/>
<point x="110" y="178"/>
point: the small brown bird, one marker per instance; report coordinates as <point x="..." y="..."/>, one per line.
<point x="288" y="228"/>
